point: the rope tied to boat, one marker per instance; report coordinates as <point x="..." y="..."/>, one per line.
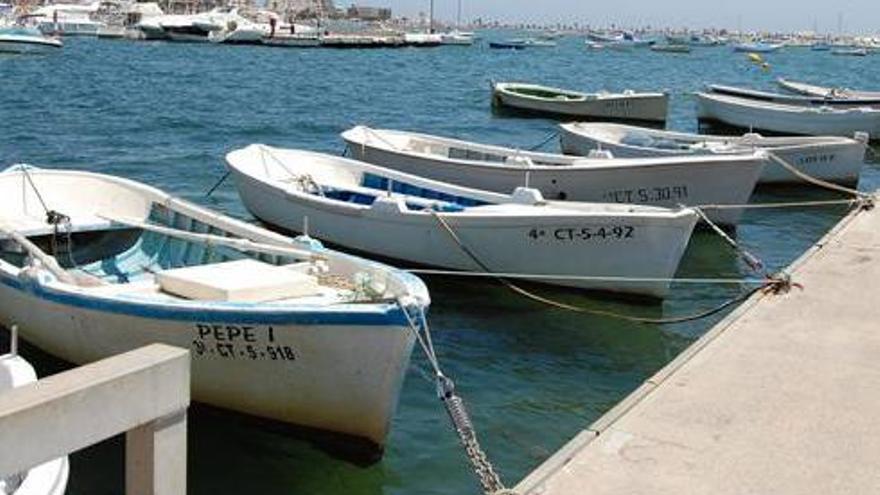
<point x="543" y="143"/>
<point x="489" y="480"/>
<point x="777" y="284"/>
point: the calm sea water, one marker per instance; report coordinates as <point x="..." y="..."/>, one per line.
<point x="165" y="114"/>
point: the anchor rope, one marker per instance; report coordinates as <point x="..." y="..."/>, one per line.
<point x="773" y="283"/>
<point x="489" y="480"/>
<point x="540" y="145"/>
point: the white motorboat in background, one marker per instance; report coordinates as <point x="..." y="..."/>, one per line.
<point x="395" y="215"/>
<point x="49" y="478"/>
<point x="17" y="39"/>
<point x="278" y="328"/>
<point x="835" y="159"/>
<point x="545" y="100"/>
<point x="787" y="119"/>
<point x="66" y="19"/>
<point x="663" y="181"/>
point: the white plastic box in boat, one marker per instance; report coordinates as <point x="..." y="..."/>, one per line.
<point x="628" y="105"/>
<point x="836" y="159"/>
<point x="788" y="119"/>
<point x="663" y="181"/>
<point x="391" y="214"/>
<point x="332" y="360"/>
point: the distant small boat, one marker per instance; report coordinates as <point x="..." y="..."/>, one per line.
<point x="836" y="159"/>
<point x="395" y="215"/>
<point x="278" y="328"/>
<point x="49" y="478"/>
<point x="820" y="46"/>
<point x="508" y="45"/>
<point x="26" y="40"/>
<point x="850" y="52"/>
<point x="594" y="45"/>
<point x="628" y="105"/>
<point x="787" y="119"/>
<point x="671" y="48"/>
<point x="825" y="91"/>
<point x="665" y="181"/>
<point x="758" y="47"/>
<point x="460" y="38"/>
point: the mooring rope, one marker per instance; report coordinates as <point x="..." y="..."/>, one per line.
<point x="544" y="142"/>
<point x="814" y="180"/>
<point x="774" y="283"/>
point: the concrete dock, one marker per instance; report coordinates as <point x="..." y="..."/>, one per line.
<point x="781" y="397"/>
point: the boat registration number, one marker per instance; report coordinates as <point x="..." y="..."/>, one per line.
<point x="658" y="194"/>
<point x="569" y="234"/>
<point x="239" y="342"/>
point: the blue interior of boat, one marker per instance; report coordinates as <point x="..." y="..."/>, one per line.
<point x="374" y="186"/>
<point x="122" y="255"/>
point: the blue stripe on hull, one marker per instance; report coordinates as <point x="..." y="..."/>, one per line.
<point x="384" y="314"/>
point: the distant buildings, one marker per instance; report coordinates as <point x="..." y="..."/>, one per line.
<point x="365" y="13"/>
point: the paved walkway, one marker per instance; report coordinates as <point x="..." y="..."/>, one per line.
<point x="781" y="397"/>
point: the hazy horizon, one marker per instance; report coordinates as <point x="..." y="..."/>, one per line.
<point x="781" y="15"/>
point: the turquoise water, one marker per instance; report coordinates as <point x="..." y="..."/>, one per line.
<point x="166" y="113"/>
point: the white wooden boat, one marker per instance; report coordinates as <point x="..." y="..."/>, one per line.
<point x="667" y="181"/>
<point x="827" y="100"/>
<point x="825" y="91"/>
<point x="15" y="39"/>
<point x="757" y="47"/>
<point x="395" y="215"/>
<point x="277" y="329"/>
<point x="851" y="52"/>
<point x="49" y="478"/>
<point x="787" y="119"/>
<point x="545" y="100"/>
<point x="835" y="159"/>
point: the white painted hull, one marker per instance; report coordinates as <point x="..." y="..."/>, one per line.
<point x="240" y="36"/>
<point x="690" y="181"/>
<point x="832" y="159"/>
<point x="25" y="47"/>
<point x="787" y="119"/>
<point x="584" y="241"/>
<point x="647" y="107"/>
<point x="823" y="91"/>
<point x="348" y="388"/>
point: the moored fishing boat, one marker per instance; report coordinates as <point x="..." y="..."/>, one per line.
<point x="668" y="181"/>
<point x="16" y="39"/>
<point x="401" y="216"/>
<point x="787" y="119"/>
<point x="93" y="265"/>
<point x="850" y="51"/>
<point x="828" y="100"/>
<point x="835" y="159"/>
<point x="671" y="48"/>
<point x="49" y="478"/>
<point x="549" y="101"/>
<point x="824" y="91"/>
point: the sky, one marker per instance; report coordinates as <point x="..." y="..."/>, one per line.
<point x="859" y="16"/>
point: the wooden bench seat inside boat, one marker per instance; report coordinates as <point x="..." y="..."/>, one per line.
<point x="33" y="225"/>
<point x="245" y="280"/>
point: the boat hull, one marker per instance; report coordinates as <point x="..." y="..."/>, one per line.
<point x="837" y="161"/>
<point x="330" y="370"/>
<point x="520" y="243"/>
<point x="27" y="47"/>
<point x="667" y="185"/>
<point x="650" y="108"/>
<point x="786" y="119"/>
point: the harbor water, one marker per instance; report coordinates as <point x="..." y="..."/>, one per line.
<point x="533" y="376"/>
